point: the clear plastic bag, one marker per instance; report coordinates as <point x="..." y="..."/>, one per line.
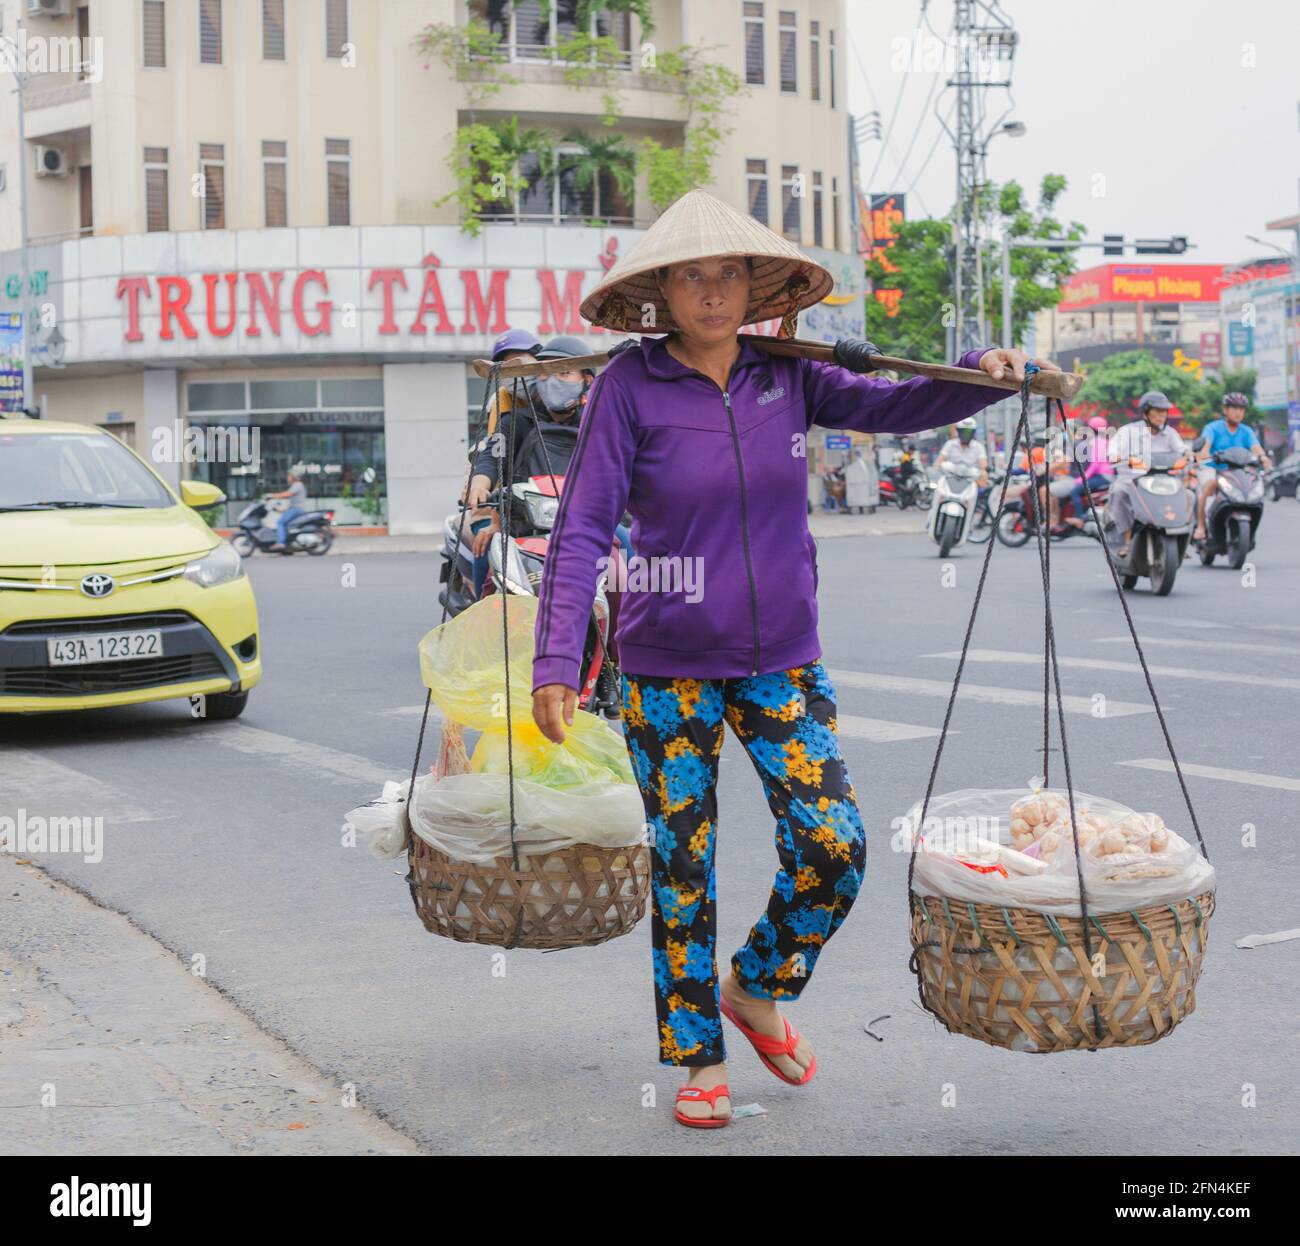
<point x="974" y="848"/>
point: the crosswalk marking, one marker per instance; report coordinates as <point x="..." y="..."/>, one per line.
<point x="316" y="758"/>
<point x="40" y="784"/>
<point x="1252" y="777"/>
<point x="1104" y="664"/>
<point x="1235" y="646"/>
<point x="942" y="688"/>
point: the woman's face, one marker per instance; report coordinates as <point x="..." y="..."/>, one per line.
<point x="707" y="298"/>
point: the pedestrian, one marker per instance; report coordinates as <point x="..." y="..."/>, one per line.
<point x="295" y="506"/>
<point x="699" y="435"/>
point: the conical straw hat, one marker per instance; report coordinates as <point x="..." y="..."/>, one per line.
<point x="700" y="226"/>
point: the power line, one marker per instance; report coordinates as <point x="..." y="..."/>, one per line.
<point x="902" y="86"/>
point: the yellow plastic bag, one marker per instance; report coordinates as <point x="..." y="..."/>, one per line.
<point x="463" y="665"/>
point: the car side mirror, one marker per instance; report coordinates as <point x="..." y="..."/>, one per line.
<point x="199" y="495"/>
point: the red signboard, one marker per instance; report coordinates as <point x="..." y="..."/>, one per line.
<point x="887" y="215"/>
<point x="1150" y="283"/>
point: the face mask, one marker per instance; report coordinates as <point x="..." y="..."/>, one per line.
<point x="558" y="395"/>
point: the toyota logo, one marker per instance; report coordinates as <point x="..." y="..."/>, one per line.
<point x="97" y="585"/>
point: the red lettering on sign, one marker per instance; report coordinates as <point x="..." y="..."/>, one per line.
<point x="269" y="299"/>
<point x="324" y="307"/>
<point x="210" y="283"/>
<point x="133" y="287"/>
<point x="496" y="300"/>
<point x="387" y="277"/>
<point x="173" y="298"/>
<point x="431" y="301"/>
<point x="560" y="315"/>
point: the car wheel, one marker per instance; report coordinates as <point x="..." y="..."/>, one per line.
<point x="225" y="704"/>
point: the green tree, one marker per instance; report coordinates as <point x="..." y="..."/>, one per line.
<point x="924" y="258"/>
<point x="1207" y="402"/>
<point x="1114" y="384"/>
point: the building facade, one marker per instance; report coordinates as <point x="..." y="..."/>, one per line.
<point x="242" y="216"/>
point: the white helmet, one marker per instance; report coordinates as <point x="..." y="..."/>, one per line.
<point x="968" y="422"/>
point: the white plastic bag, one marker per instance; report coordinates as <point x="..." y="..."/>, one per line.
<point x="966" y="853"/>
<point x="467" y="816"/>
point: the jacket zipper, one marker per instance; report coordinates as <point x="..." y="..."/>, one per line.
<point x="744" y="526"/>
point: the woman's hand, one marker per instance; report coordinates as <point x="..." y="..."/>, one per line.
<point x="998" y="361"/>
<point x="550" y="701"/>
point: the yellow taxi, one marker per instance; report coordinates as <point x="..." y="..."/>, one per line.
<point x="113" y="590"/>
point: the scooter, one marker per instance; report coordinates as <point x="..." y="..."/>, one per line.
<point x="308" y="533"/>
<point x="517" y="568"/>
<point x="1018" y="522"/>
<point x="954" y="503"/>
<point x="1163" y="513"/>
<point x="1233" y="516"/>
<point x="905" y="485"/>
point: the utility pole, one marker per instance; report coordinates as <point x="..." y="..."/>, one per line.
<point x="986" y="48"/>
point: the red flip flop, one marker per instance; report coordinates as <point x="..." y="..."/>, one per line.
<point x="764" y="1045"/>
<point x="695" y="1094"/>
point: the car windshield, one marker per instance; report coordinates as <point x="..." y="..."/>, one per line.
<point x="72" y="470"/>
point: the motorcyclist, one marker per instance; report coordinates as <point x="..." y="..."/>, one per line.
<point x="1131" y="450"/>
<point x="553" y="400"/>
<point x="1091" y="465"/>
<point x="965" y="448"/>
<point x="1221" y="434"/>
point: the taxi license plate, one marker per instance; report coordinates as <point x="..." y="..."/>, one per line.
<point x="104" y="647"/>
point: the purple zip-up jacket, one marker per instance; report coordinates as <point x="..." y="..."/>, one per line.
<point x="719" y="478"/>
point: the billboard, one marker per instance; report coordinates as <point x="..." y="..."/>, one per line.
<point x="11" y="361"/>
<point x="885" y="218"/>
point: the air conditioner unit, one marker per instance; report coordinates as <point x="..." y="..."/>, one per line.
<point x="49" y="8"/>
<point x="51" y="162"/>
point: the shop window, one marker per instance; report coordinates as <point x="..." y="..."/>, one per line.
<point x="788" y="33"/>
<point x="154" y="23"/>
<point x="817" y="210"/>
<point x="281" y="395"/>
<point x="338" y="176"/>
<point x="273" y="30"/>
<point x="352" y="393"/>
<point x="336" y="28"/>
<point x="156" y="212"/>
<point x="216" y="396"/>
<point x="815" y="59"/>
<point x="529" y="30"/>
<point x="209" y="32"/>
<point x="755" y="74"/>
<point x="212" y="167"/>
<point x="756" y="182"/>
<point x="791" y="226"/>
<point x="275" y="184"/>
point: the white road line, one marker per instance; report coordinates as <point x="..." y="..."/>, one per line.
<point x="1235" y="646"/>
<point x="1252" y="777"/>
<point x="43" y="786"/>
<point x="1104" y="664"/>
<point x="316" y="758"/>
<point x="881" y="730"/>
<point x="910" y="685"/>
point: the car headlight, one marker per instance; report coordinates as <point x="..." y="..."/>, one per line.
<point x="541" y="509"/>
<point x="1228" y="487"/>
<point x="220" y="565"/>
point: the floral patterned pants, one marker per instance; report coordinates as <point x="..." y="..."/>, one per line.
<point x="674" y="732"/>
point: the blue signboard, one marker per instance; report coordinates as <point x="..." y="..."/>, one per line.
<point x="1241" y="339"/>
<point x="838" y="441"/>
<point x="11" y="361"/>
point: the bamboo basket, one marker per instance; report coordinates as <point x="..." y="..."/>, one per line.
<point x="577" y="896"/>
<point x="1020" y="979"/>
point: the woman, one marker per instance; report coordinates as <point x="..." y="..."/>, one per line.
<point x="701" y="437"/>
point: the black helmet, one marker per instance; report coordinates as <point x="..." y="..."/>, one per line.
<point x="1235" y="398"/>
<point x="565" y="347"/>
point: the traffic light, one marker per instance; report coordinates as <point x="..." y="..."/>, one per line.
<point x="1161" y="246"/>
<point x="1114" y="244"/>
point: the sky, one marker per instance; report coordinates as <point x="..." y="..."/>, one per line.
<point x="1166" y="116"/>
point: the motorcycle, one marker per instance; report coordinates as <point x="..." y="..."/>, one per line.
<point x="954" y="504"/>
<point x="1018" y="522"/>
<point x="1163" y="512"/>
<point x="518" y="567"/>
<point x="1233" y="516"/>
<point x="309" y="532"/>
<point x="986" y="509"/>
<point x="904" y="485"/>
